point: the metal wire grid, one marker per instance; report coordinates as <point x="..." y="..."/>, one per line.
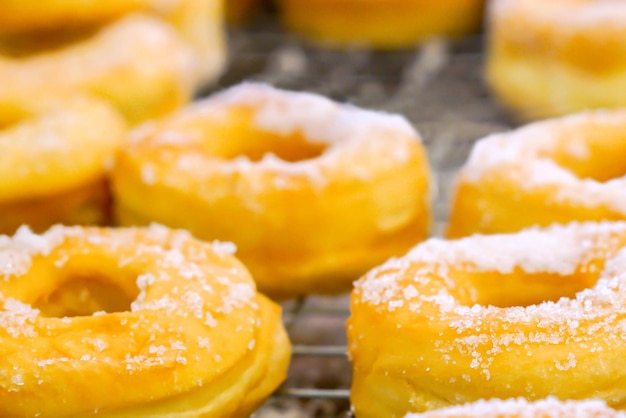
<point x="292" y="319"/>
<point x="319" y="379"/>
<point x="439" y="88"/>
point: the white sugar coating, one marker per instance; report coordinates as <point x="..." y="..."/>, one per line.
<point x="239" y="295"/>
<point x="204" y="342"/>
<point x="188" y="291"/>
<point x="17" y="318"/>
<point x="519" y="407"/>
<point x="169" y="250"/>
<point x="538" y="140"/>
<point x="19" y="308"/>
<point x="616" y="266"/>
<point x="568" y="364"/>
<point x="224" y="247"/>
<point x="318" y="118"/>
<point x="209" y="320"/>
<point x="16" y="252"/>
<point x="130" y="42"/>
<point x="525" y="155"/>
<point x="349" y="133"/>
<point x="195" y="303"/>
<point x="564" y="14"/>
<point x="16" y="380"/>
<point x="558" y="249"/>
<point x="98" y="344"/>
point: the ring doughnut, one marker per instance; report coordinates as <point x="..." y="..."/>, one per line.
<point x="280" y="174"/>
<point x="547" y="59"/>
<point x="132" y="322"/>
<point x="138" y="63"/>
<point x="513" y="408"/>
<point x="199" y="22"/>
<point x="382" y="24"/>
<point x="561" y="170"/>
<point x="37" y="185"/>
<point x="534" y="314"/>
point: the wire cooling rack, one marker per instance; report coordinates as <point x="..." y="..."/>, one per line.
<point x="439" y="88"/>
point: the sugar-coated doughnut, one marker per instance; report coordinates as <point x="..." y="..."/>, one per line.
<point x="313" y="193"/>
<point x="561" y="170"/>
<point x="514" y="408"/>
<point x="553" y="58"/>
<point x="135" y="323"/>
<point x="138" y="63"/>
<point x="54" y="161"/>
<point x="384" y="24"/>
<point x="200" y="22"/>
<point x="533" y="314"/>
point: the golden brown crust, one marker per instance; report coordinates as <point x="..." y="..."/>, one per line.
<point x="138" y="63"/>
<point x="163" y="325"/>
<point x="312" y="192"/>
<point x="533" y="314"/>
<point x="551" y="59"/>
<point x="560" y="170"/>
<point x="38" y="185"/>
<point x="146" y="65"/>
<point x="382" y="24"/>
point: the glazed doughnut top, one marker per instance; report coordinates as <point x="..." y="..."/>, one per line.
<point x="511" y="408"/>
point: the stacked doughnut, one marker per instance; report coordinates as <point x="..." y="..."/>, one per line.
<point x="145" y="56"/>
<point x="534" y="314"/>
<point x="560" y="170"/>
<point x="551" y="58"/>
<point x="313" y="193"/>
<point x="132" y="322"/>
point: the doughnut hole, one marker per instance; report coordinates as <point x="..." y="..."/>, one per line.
<point x="83" y="296"/>
<point x="597" y="153"/>
<point x="520" y="288"/>
<point x="79" y="289"/>
<point x="245" y="140"/>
